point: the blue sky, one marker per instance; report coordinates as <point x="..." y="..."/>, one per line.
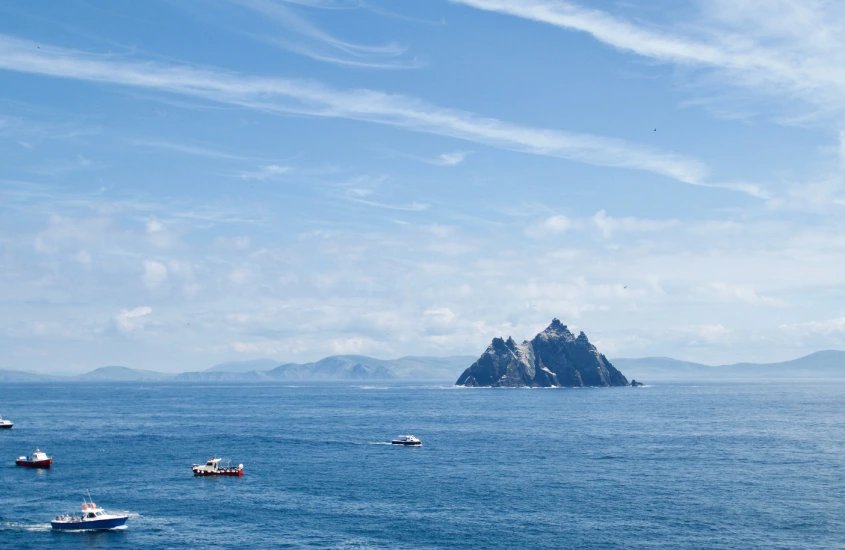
<point x="186" y="183"/>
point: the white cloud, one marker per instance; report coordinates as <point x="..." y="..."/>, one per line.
<point x="710" y="334"/>
<point x="842" y="148"/>
<point x="64" y="231"/>
<point x="442" y="316"/>
<point x="607" y="225"/>
<point x="269" y="347"/>
<point x="237" y="243"/>
<point x="439" y="230"/>
<point x="553" y="225"/>
<point x="307" y="97"/>
<point x="265" y="172"/>
<point x="83" y="258"/>
<point x="154" y="226"/>
<point x="318" y="44"/>
<point x="188" y="149"/>
<point x="741" y="293"/>
<point x="451" y="159"/>
<point x="413" y="207"/>
<point x="788" y="48"/>
<point x="159" y="234"/>
<point x="604" y="224"/>
<point x="829" y="327"/>
<point x="132" y="319"/>
<point x="450" y="248"/>
<point x="155" y="273"/>
<point x="354" y="345"/>
<point x="240" y="276"/>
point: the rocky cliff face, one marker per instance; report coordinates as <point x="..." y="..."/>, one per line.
<point x="555" y="357"/>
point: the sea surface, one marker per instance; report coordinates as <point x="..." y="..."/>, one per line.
<point x="668" y="466"/>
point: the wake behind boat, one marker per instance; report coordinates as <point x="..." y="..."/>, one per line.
<point x="213" y="468"/>
<point x="37" y="459"/>
<point x="92" y="519"/>
<point x="407" y="441"/>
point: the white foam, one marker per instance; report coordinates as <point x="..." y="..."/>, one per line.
<point x="16" y="526"/>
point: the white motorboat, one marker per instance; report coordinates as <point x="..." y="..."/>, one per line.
<point x="407" y="441"/>
<point x="5" y="424"/>
<point x="213" y="468"/>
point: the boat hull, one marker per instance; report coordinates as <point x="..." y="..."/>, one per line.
<point x="404" y="444"/>
<point x="6" y="426"/>
<point x="35" y="463"/>
<point x="93" y="525"/>
<point x="234" y="473"/>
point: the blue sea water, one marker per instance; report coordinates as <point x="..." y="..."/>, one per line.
<point x="669" y="466"/>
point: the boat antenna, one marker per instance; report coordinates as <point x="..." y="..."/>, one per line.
<point x="89" y="495"/>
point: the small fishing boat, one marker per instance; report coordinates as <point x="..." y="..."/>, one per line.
<point x="213" y="468"/>
<point x="37" y="459"/>
<point x="91" y="519"/>
<point x="5" y="424"/>
<point x="407" y="441"/>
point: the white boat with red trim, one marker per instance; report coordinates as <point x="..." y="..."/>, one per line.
<point x="91" y="519"/>
<point x="213" y="468"/>
<point x="37" y="459"/>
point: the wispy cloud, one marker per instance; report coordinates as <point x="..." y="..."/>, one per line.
<point x="741" y="293"/>
<point x="155" y="273"/>
<point x="606" y="225"/>
<point x="413" y="207"/>
<point x="265" y="172"/>
<point x="322" y="46"/>
<point x="450" y="159"/>
<point x="278" y="95"/>
<point x="188" y="149"/>
<point x="553" y="225"/>
<point x="130" y="320"/>
<point x="828" y="327"/>
<point x="790" y="48"/>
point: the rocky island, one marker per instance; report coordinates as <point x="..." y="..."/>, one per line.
<point x="554" y="358"/>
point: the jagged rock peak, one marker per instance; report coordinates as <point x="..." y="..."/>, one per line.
<point x="556" y="326"/>
<point x="555" y="357"/>
<point x="556" y="330"/>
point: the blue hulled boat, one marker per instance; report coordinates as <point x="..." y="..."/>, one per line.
<point x="92" y="519"/>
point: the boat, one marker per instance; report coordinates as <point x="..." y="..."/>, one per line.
<point x="91" y="519"/>
<point x="5" y="424"/>
<point x="37" y="459"/>
<point x="213" y="468"/>
<point x="407" y="441"/>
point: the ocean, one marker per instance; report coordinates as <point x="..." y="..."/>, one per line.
<point x="667" y="466"/>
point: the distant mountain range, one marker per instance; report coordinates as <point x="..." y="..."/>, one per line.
<point x="828" y="364"/>
<point x="337" y="367"/>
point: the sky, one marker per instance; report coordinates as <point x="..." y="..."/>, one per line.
<point x="190" y="182"/>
